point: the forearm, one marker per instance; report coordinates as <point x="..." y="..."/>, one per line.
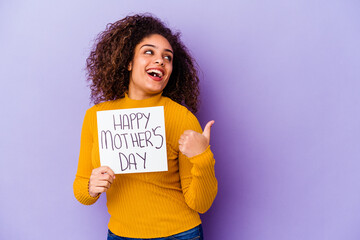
<point x="200" y="188"/>
<point x="81" y="182"/>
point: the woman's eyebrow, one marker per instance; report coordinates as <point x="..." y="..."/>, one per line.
<point x="150" y="45"/>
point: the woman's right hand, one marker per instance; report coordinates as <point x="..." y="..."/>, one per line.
<point x="100" y="180"/>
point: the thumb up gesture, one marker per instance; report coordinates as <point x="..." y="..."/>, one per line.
<point x="192" y="143"/>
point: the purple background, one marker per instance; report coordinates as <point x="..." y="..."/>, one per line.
<point x="281" y="79"/>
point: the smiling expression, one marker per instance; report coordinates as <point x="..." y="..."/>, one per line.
<point x="151" y="67"/>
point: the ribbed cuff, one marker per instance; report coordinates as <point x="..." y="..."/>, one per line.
<point x="81" y="192"/>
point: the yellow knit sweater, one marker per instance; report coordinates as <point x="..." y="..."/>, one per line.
<point x="156" y="204"/>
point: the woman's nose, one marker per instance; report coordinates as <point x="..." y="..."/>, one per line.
<point x="159" y="61"/>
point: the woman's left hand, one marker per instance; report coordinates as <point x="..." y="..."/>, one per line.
<point x="192" y="143"/>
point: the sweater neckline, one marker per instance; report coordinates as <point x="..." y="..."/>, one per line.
<point x="148" y="102"/>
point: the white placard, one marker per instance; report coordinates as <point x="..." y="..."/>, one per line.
<point x="132" y="140"/>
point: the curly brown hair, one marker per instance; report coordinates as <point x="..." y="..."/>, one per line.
<point x="114" y="48"/>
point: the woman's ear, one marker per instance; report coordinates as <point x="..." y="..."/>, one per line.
<point x="129" y="66"/>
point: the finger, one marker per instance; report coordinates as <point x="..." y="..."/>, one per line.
<point x="181" y="148"/>
<point x="188" y="132"/>
<point x="105" y="184"/>
<point x="100" y="189"/>
<point x="100" y="170"/>
<point x="207" y="129"/>
<point x="107" y="170"/>
<point x="99" y="185"/>
<point x="106" y="177"/>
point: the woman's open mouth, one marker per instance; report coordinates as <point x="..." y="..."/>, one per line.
<point x="155" y="74"/>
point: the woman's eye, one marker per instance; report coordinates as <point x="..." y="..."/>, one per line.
<point x="168" y="58"/>
<point x="148" y="52"/>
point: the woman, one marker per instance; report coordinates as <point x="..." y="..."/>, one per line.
<point x="137" y="62"/>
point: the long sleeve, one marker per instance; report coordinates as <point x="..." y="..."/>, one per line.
<point x="197" y="174"/>
<point x="81" y="182"/>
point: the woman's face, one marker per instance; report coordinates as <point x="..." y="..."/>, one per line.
<point x="150" y="68"/>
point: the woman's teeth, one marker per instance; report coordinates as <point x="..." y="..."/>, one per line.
<point x="155" y="73"/>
